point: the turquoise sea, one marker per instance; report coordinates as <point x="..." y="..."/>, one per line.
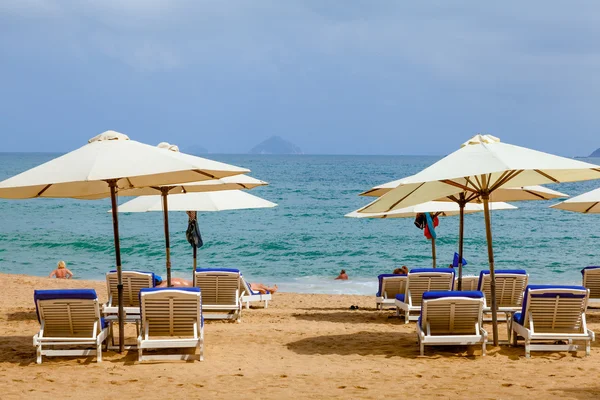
<point x="303" y="243"/>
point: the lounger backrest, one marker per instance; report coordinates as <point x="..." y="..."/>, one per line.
<point x="68" y="313"/>
<point x="555" y="309"/>
<point x="219" y="287"/>
<point x="469" y="283"/>
<point x="390" y="285"/>
<point x="591" y="281"/>
<point x="133" y="282"/>
<point x="510" y="284"/>
<point x="427" y="280"/>
<point x="452" y="312"/>
<point x="171" y="311"/>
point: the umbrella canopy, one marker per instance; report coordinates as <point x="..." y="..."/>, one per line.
<point x="587" y="203"/>
<point x="478" y="170"/>
<point x="207" y="201"/>
<point x="112" y="156"/>
<point x="502" y="194"/>
<point x="442" y="208"/>
<point x="482" y="168"/>
<point x="108" y="163"/>
<point x="212" y="185"/>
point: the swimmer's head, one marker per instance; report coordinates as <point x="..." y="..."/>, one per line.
<point x="62" y="264"/>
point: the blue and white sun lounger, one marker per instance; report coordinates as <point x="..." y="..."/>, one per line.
<point x="451" y="318"/>
<point x="591" y="281"/>
<point x="390" y="285"/>
<point x="221" y="293"/>
<point x="69" y="317"/>
<point x="510" y="284"/>
<point x="133" y="282"/>
<point x="420" y="281"/>
<point x="171" y="318"/>
<point x="550" y="314"/>
<point x="249" y="295"/>
<point x="469" y="283"/>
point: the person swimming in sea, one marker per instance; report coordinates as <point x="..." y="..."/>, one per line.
<point x="61" y="271"/>
<point x="342" y="276"/>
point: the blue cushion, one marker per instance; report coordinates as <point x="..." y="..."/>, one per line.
<point x="438" y="270"/>
<point x="380" y="278"/>
<point x="452" y="293"/>
<point x="156" y="280"/>
<point x="499" y="272"/>
<point x="57" y="294"/>
<point x="400" y="297"/>
<point x="586" y="268"/>
<point x="518" y="317"/>
<point x="522" y="314"/>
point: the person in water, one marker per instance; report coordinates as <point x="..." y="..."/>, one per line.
<point x="342" y="276"/>
<point x="61" y="271"/>
<point x="263" y="289"/>
<point x="401" y="271"/>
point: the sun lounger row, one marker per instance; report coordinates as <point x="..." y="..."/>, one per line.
<point x="552" y="318"/>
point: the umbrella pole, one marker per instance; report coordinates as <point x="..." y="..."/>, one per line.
<point x="461" y="233"/>
<point x="164" y="194"/>
<point x="433" y="250"/>
<point x="113" y="199"/>
<point x="488" y="232"/>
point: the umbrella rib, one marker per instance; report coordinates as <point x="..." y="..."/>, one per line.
<point x="478" y="182"/>
<point x="507" y="178"/>
<point x="535" y="194"/>
<point x="468" y="179"/>
<point x="205" y="174"/>
<point x="43" y="190"/>
<point x="458" y="185"/>
<point x="545" y="175"/>
<point x="402" y="199"/>
<point x="592" y="206"/>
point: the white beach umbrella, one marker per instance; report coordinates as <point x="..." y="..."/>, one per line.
<point x="203" y="201"/>
<point x="110" y="162"/>
<point x="478" y="171"/>
<point x="225" y="183"/>
<point x="587" y="203"/>
<point x="436" y="208"/>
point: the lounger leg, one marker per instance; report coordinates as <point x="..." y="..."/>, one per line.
<point x="587" y="347"/>
<point x="406" y="316"/>
<point x="266" y="303"/>
<point x="247" y="305"/>
<point x="527" y="350"/>
<point x="422" y="346"/>
<point x="98" y="351"/>
<point x="483" y="348"/>
<point x="39" y="354"/>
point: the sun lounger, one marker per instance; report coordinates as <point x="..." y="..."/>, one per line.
<point x="510" y="284"/>
<point x="69" y="317"/>
<point x="389" y="286"/>
<point x="249" y="295"/>
<point x="133" y="282"/>
<point x="469" y="283"/>
<point x="591" y="281"/>
<point x="451" y="318"/>
<point x="420" y="281"/>
<point x="221" y="292"/>
<point x="552" y="318"/>
<point x="171" y="318"/>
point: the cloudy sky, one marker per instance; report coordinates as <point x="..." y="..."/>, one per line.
<point x="334" y="77"/>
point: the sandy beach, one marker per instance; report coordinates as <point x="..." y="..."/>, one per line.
<point x="302" y="346"/>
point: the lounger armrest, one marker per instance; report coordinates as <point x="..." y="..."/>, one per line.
<point x="591" y="334"/>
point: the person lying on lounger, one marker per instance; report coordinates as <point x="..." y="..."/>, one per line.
<point x="177" y="282"/>
<point x="61" y="272"/>
<point x="263" y="289"/>
<point x="401" y="271"/>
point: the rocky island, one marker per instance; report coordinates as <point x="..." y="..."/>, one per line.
<point x="276" y="145"/>
<point x="595" y="154"/>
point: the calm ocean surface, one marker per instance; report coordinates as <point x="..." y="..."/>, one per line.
<point x="303" y="243"/>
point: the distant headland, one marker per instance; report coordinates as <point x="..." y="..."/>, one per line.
<point x="595" y="154"/>
<point x="276" y="145"/>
